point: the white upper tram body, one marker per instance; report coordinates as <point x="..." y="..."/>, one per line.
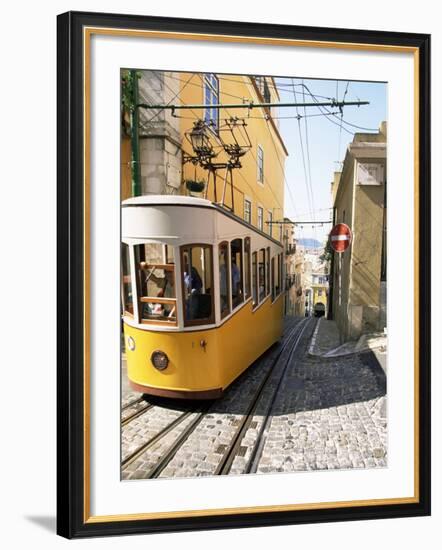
<point x="176" y="221"/>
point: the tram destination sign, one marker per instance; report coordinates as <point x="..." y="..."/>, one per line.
<point x="340" y="237"/>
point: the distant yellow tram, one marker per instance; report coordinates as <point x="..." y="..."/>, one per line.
<point x="201" y="295"/>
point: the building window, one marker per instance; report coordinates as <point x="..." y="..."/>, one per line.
<point x="197" y="277"/>
<point x="236" y="272"/>
<point x="247" y="266"/>
<point x="270" y="222"/>
<point x="260" y="218"/>
<point x="126" y="279"/>
<point x="211" y="97"/>
<point x="260" y="161"/>
<point x="263" y="87"/>
<point x="248" y="211"/>
<point x="224" y="290"/>
<point x="156" y="283"/>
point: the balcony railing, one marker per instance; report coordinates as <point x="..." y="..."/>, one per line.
<point x="290" y="249"/>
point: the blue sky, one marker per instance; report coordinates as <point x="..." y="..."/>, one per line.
<point x="327" y="143"/>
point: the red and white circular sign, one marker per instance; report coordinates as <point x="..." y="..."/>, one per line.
<point x="340" y="237"/>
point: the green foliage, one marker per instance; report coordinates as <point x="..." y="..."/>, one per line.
<point x="326" y="256"/>
<point x="195" y="186"/>
<point x="127" y="90"/>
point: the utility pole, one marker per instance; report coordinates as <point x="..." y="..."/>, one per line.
<point x="331" y="276"/>
<point x="134" y="134"/>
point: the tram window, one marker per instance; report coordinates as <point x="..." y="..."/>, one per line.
<point x="247" y="267"/>
<point x="268" y="271"/>
<point x="262" y="274"/>
<point x="254" y="279"/>
<point x="224" y="281"/>
<point x="197" y="280"/>
<point x="128" y="305"/>
<point x="274" y="279"/>
<point x="156" y="283"/>
<point x="276" y="276"/>
<point x="281" y="278"/>
<point x="236" y="272"/>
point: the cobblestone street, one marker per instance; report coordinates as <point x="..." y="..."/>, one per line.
<point x="328" y="412"/>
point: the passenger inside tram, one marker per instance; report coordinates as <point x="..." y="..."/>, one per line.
<point x="197" y="277"/>
<point x="164" y="282"/>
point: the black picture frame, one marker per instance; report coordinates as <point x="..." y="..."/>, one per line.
<point x="72" y="516"/>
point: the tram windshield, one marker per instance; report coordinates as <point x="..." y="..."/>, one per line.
<point x="156" y="283"/>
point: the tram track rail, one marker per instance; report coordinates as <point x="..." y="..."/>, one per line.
<point x="162" y="464"/>
<point x="132" y="403"/>
<point x="153" y="440"/>
<point x="292" y="336"/>
<point x="136" y="414"/>
<point x="261" y="439"/>
<point x="231" y="452"/>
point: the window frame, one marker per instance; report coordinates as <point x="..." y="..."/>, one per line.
<point x="248" y="279"/>
<point x="129" y="281"/>
<point x="215" y="94"/>
<point x="152" y="299"/>
<point x="228" y="276"/>
<point x="254" y="277"/>
<point x="207" y="320"/>
<point x="263" y="252"/>
<point x="233" y="308"/>
<point x="249" y="202"/>
<point x="260" y="164"/>
<point x="260" y="210"/>
<point x="267" y="268"/>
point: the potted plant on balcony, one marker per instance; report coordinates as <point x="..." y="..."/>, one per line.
<point x="195" y="187"/>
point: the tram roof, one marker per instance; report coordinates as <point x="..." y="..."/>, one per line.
<point x="167" y="200"/>
<point x="182" y="200"/>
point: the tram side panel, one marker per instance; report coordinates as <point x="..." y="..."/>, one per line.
<point x="193" y="360"/>
<point x="246" y="336"/>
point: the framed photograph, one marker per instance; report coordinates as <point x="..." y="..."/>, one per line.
<point x="243" y="309"/>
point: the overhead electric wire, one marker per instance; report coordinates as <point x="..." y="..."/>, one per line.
<point x="308" y="161"/>
<point x="265" y="117"/>
<point x="271" y="85"/>
<point x="307" y="171"/>
<point x="303" y="156"/>
<point x="327" y="115"/>
<point x="202" y="86"/>
<point x="176" y="96"/>
<point x="281" y="206"/>
<point x="340" y="125"/>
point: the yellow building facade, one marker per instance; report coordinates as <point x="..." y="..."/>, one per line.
<point x="259" y="183"/>
<point x="165" y="147"/>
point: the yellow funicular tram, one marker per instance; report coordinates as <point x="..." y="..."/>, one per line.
<point x="201" y="294"/>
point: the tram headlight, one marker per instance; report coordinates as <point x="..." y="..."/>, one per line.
<point x="159" y="360"/>
<point x="131" y="343"/>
